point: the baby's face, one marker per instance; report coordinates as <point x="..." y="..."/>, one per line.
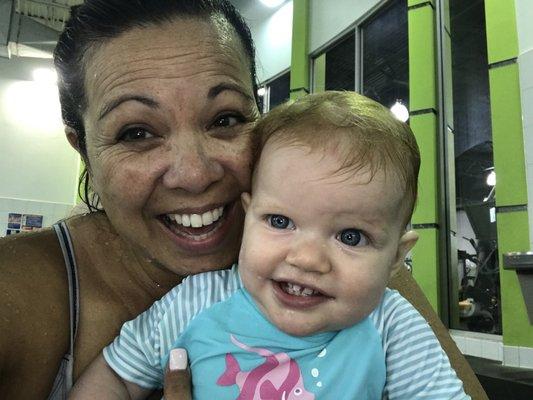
<point x="319" y="246"/>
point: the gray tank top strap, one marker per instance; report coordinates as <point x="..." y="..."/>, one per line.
<point x="63" y="380"/>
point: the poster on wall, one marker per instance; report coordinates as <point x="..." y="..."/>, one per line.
<point x="31" y="222"/>
<point x="17" y="222"/>
<point x="14" y="221"/>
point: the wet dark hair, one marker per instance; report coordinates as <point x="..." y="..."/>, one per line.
<point x="95" y="22"/>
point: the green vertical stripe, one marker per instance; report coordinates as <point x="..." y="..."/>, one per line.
<point x="422" y="59"/>
<point x="425" y="129"/>
<point x="319" y="73"/>
<point x="507" y="136"/>
<point x="502" y="37"/>
<point x="509" y="162"/>
<point x="426" y="264"/>
<point x="300" y="40"/>
<point x="513" y="235"/>
<point x="423" y="96"/>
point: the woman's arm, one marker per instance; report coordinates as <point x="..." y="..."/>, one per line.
<point x="99" y="381"/>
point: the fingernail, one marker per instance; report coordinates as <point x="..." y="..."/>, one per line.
<point x="177" y="360"/>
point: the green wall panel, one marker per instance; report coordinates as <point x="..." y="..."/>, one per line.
<point x="299" y="57"/>
<point x="513" y="235"/>
<point x="426" y="264"/>
<point x="507" y="135"/>
<point x="319" y="73"/>
<point x="424" y="127"/>
<point x="422" y="65"/>
<point x="411" y="3"/>
<point x="502" y="38"/>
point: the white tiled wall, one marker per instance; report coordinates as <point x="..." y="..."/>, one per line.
<point x="51" y="212"/>
<point x="491" y="347"/>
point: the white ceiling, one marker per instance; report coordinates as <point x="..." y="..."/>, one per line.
<point x="54" y="13"/>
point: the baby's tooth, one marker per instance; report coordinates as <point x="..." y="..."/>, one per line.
<point x="185" y="220"/>
<point x="297" y="288"/>
<point x="196" y="221"/>
<point x="307" y="292"/>
<point x="207" y="218"/>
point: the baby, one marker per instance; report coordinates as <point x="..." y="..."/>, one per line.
<point x="306" y="313"/>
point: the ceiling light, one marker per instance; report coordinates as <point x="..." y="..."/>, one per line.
<point x="272" y="3"/>
<point x="45" y="75"/>
<point x="400" y="111"/>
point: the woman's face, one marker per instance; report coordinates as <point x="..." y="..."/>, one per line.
<point x="168" y="121"/>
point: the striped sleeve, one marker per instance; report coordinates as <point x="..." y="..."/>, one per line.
<point x="417" y="367"/>
<point x="139" y="353"/>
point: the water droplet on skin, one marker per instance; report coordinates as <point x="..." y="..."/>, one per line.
<point x="314" y="372"/>
<point x="319" y="384"/>
<point x="322" y="353"/>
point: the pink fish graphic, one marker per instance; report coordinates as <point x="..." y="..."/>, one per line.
<point x="278" y="378"/>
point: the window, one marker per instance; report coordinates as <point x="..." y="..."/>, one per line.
<point x="335" y="68"/>
<point x="275" y="92"/>
<point x="475" y="295"/>
<point x="385" y="55"/>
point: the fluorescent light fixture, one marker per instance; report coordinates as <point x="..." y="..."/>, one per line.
<point x="45" y="75"/>
<point x="261" y="91"/>
<point x="272" y="3"/>
<point x="491" y="178"/>
<point x="400" y="111"/>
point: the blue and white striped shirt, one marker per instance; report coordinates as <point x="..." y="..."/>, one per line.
<point x="416" y="365"/>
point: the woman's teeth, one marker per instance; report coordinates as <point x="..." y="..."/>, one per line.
<point x="297" y="290"/>
<point x="197" y="220"/>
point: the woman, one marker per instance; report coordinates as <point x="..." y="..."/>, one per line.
<point x="158" y="98"/>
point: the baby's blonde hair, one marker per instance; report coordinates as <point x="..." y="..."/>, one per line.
<point x="364" y="133"/>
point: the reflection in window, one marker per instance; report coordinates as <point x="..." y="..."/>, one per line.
<point x="385" y="58"/>
<point x="274" y="92"/>
<point x="340" y="64"/>
<point x="279" y="90"/>
<point x="475" y="178"/>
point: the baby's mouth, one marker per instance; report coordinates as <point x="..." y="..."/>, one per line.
<point x="196" y="226"/>
<point x="297" y="290"/>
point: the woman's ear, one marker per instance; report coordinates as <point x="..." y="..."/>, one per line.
<point x="73" y="139"/>
<point x="246" y="198"/>
<point x="406" y="243"/>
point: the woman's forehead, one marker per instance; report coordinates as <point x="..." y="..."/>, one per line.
<point x="185" y="49"/>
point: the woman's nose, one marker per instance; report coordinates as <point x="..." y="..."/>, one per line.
<point x="309" y="255"/>
<point x="193" y="167"/>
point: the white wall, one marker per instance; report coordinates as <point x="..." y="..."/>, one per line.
<point x="328" y="20"/>
<point x="524" y="16"/>
<point x="38" y="168"/>
<point x="272" y="34"/>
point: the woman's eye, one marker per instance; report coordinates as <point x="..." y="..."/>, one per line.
<point x="133" y="134"/>
<point x="226" y="121"/>
<point x="352" y="237"/>
<point x="280" y="222"/>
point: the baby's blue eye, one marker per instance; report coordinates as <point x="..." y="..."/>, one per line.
<point x="351" y="237"/>
<point x="280" y="222"/>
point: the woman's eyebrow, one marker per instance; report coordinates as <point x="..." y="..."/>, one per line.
<point x="216" y="90"/>
<point x="127" y="97"/>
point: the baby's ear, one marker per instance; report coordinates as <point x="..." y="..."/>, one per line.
<point x="245" y="200"/>
<point x="406" y="243"/>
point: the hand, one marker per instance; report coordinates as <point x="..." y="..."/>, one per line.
<point x="177" y="376"/>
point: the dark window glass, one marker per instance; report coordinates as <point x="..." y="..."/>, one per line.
<point x="477" y="269"/>
<point x="386" y="55"/>
<point x="279" y="90"/>
<point x="340" y="65"/>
